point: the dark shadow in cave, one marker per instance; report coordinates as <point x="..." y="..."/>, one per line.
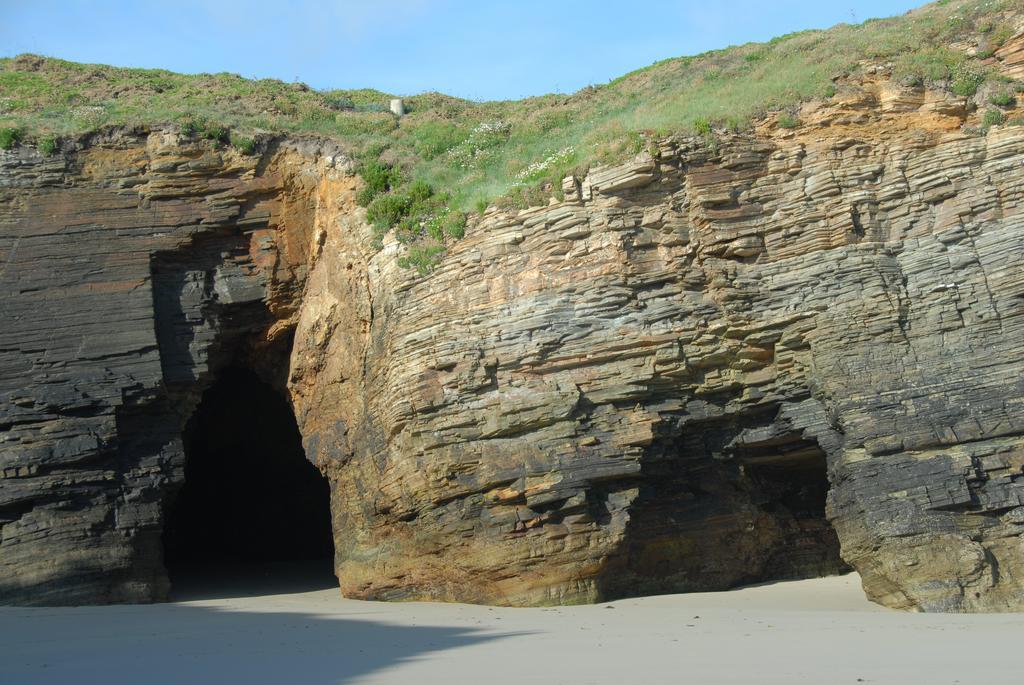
<point x="727" y="504"/>
<point x="253" y="516"/>
<point x="788" y="481"/>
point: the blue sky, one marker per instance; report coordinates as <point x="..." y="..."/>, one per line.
<point x="480" y="50"/>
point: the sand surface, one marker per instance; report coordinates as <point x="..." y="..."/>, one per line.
<point x="817" y="631"/>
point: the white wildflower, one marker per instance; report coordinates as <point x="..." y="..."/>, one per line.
<point x="536" y="169"/>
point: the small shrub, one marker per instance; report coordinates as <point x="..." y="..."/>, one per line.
<point x="928" y="65"/>
<point x="966" y="80"/>
<point x="408" y="229"/>
<point x="733" y="124"/>
<point x="423" y="258"/>
<point x="47" y="145"/>
<point x="340" y="103"/>
<point x="365" y="196"/>
<point x="191" y="127"/>
<point x="435" y="227"/>
<point x="9" y="137"/>
<point x="964" y="88"/>
<point x="455" y="225"/>
<point x="243" y="144"/>
<point x="216" y="133"/>
<point x="419" y="191"/>
<point x="379" y="178"/>
<point x="702" y="126"/>
<point x="387" y="210"/>
<point x="1001" y="99"/>
<point x="992" y="117"/>
<point x="788" y="121"/>
<point x="1003" y="32"/>
<point x="830" y="90"/>
<point x="481" y="205"/>
<point x="957" y="24"/>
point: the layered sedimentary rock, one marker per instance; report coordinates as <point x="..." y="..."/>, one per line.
<point x="641" y="388"/>
<point x="132" y="271"/>
<point x="730" y="360"/>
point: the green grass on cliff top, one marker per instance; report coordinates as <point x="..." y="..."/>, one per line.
<point x="479" y="151"/>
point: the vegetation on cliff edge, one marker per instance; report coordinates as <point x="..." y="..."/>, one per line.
<point x="515" y="150"/>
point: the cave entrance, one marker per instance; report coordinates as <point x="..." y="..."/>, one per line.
<point x="253" y="515"/>
<point x="726" y="505"/>
<point x="787" y="481"/>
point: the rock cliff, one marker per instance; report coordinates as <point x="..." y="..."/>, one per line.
<point x="133" y="270"/>
<point x="736" y="359"/>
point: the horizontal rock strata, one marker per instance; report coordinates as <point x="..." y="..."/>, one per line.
<point x="131" y="271"/>
<point x="639" y="389"/>
<point x="730" y="360"/>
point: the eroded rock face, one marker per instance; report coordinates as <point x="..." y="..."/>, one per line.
<point x="641" y="389"/>
<point x="768" y="357"/>
<point x="131" y="272"/>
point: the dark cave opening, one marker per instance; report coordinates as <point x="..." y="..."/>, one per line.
<point x="787" y="480"/>
<point x="726" y="505"/>
<point x="252" y="510"/>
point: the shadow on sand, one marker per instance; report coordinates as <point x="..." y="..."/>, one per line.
<point x="194" y="582"/>
<point x="275" y="641"/>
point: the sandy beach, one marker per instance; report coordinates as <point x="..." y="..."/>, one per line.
<point x="815" y="631"/>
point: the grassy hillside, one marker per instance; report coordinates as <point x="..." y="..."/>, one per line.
<point x="477" y="152"/>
